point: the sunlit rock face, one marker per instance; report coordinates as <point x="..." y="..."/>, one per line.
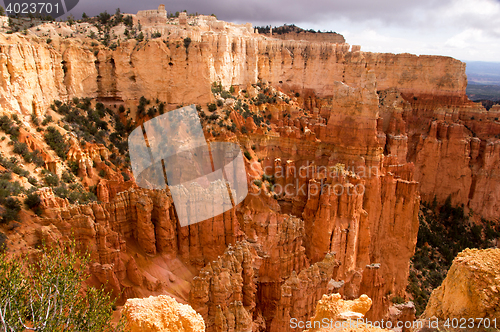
<point x="470" y="290"/>
<point x="382" y="132"/>
<point x="161" y="314"/>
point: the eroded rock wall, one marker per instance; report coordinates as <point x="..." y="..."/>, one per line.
<point x="135" y="241"/>
<point x="391" y="126"/>
<point x="69" y="68"/>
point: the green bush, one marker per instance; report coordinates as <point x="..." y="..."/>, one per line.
<point x="34" y="119"/>
<point x="226" y="94"/>
<point x="212" y="107"/>
<point x="141" y="108"/>
<point x="258" y="183"/>
<point x="12" y="208"/>
<point x="48" y="119"/>
<point x="268" y="178"/>
<point x="3" y="240"/>
<point x="61" y="191"/>
<point x="7" y="126"/>
<point x="46" y="295"/>
<point x="75" y="193"/>
<point x="20" y="171"/>
<point x="398" y="300"/>
<point x="213" y="117"/>
<point x="9" y="188"/>
<point x="127" y="20"/>
<point x="21" y="148"/>
<point x="32" y="180"/>
<point x="216" y="87"/>
<point x="51" y="179"/>
<point x="58" y="103"/>
<point x="161" y="108"/>
<point x="32" y="201"/>
<point x="6" y="176"/>
<point x="67" y="177"/>
<point x="151" y="112"/>
<point x="56" y="142"/>
<point x="36" y="158"/>
<point x="248" y="155"/>
<point x="104" y="17"/>
<point x="125" y="176"/>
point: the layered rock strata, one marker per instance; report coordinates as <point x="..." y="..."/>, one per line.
<point x="136" y="244"/>
<point x="362" y="137"/>
<point x="420" y="112"/>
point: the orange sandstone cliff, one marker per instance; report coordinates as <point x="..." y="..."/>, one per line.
<point x="365" y="137"/>
<point x="470" y="289"/>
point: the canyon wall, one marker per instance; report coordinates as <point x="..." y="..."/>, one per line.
<point x="72" y="67"/>
<point x="366" y="136"/>
<point x="136" y="243"/>
<point x="161" y="314"/>
<point x="470" y="290"/>
<point x="424" y="92"/>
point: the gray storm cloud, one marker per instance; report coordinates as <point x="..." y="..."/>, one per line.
<point x="269" y="12"/>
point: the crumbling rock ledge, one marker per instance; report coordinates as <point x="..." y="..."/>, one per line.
<point x="471" y="289"/>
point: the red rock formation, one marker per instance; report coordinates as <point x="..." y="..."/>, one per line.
<point x="373" y="284"/>
<point x="138" y="227"/>
<point x="300" y="292"/>
<point x="335" y="314"/>
<point x="452" y="144"/>
<point x="224" y="292"/>
<point x="127" y="73"/>
<point x="35" y="144"/>
<point x="367" y="213"/>
<point x="404" y="313"/>
<point x="314" y="69"/>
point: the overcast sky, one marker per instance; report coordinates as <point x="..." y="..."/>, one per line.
<point x="464" y="29"/>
